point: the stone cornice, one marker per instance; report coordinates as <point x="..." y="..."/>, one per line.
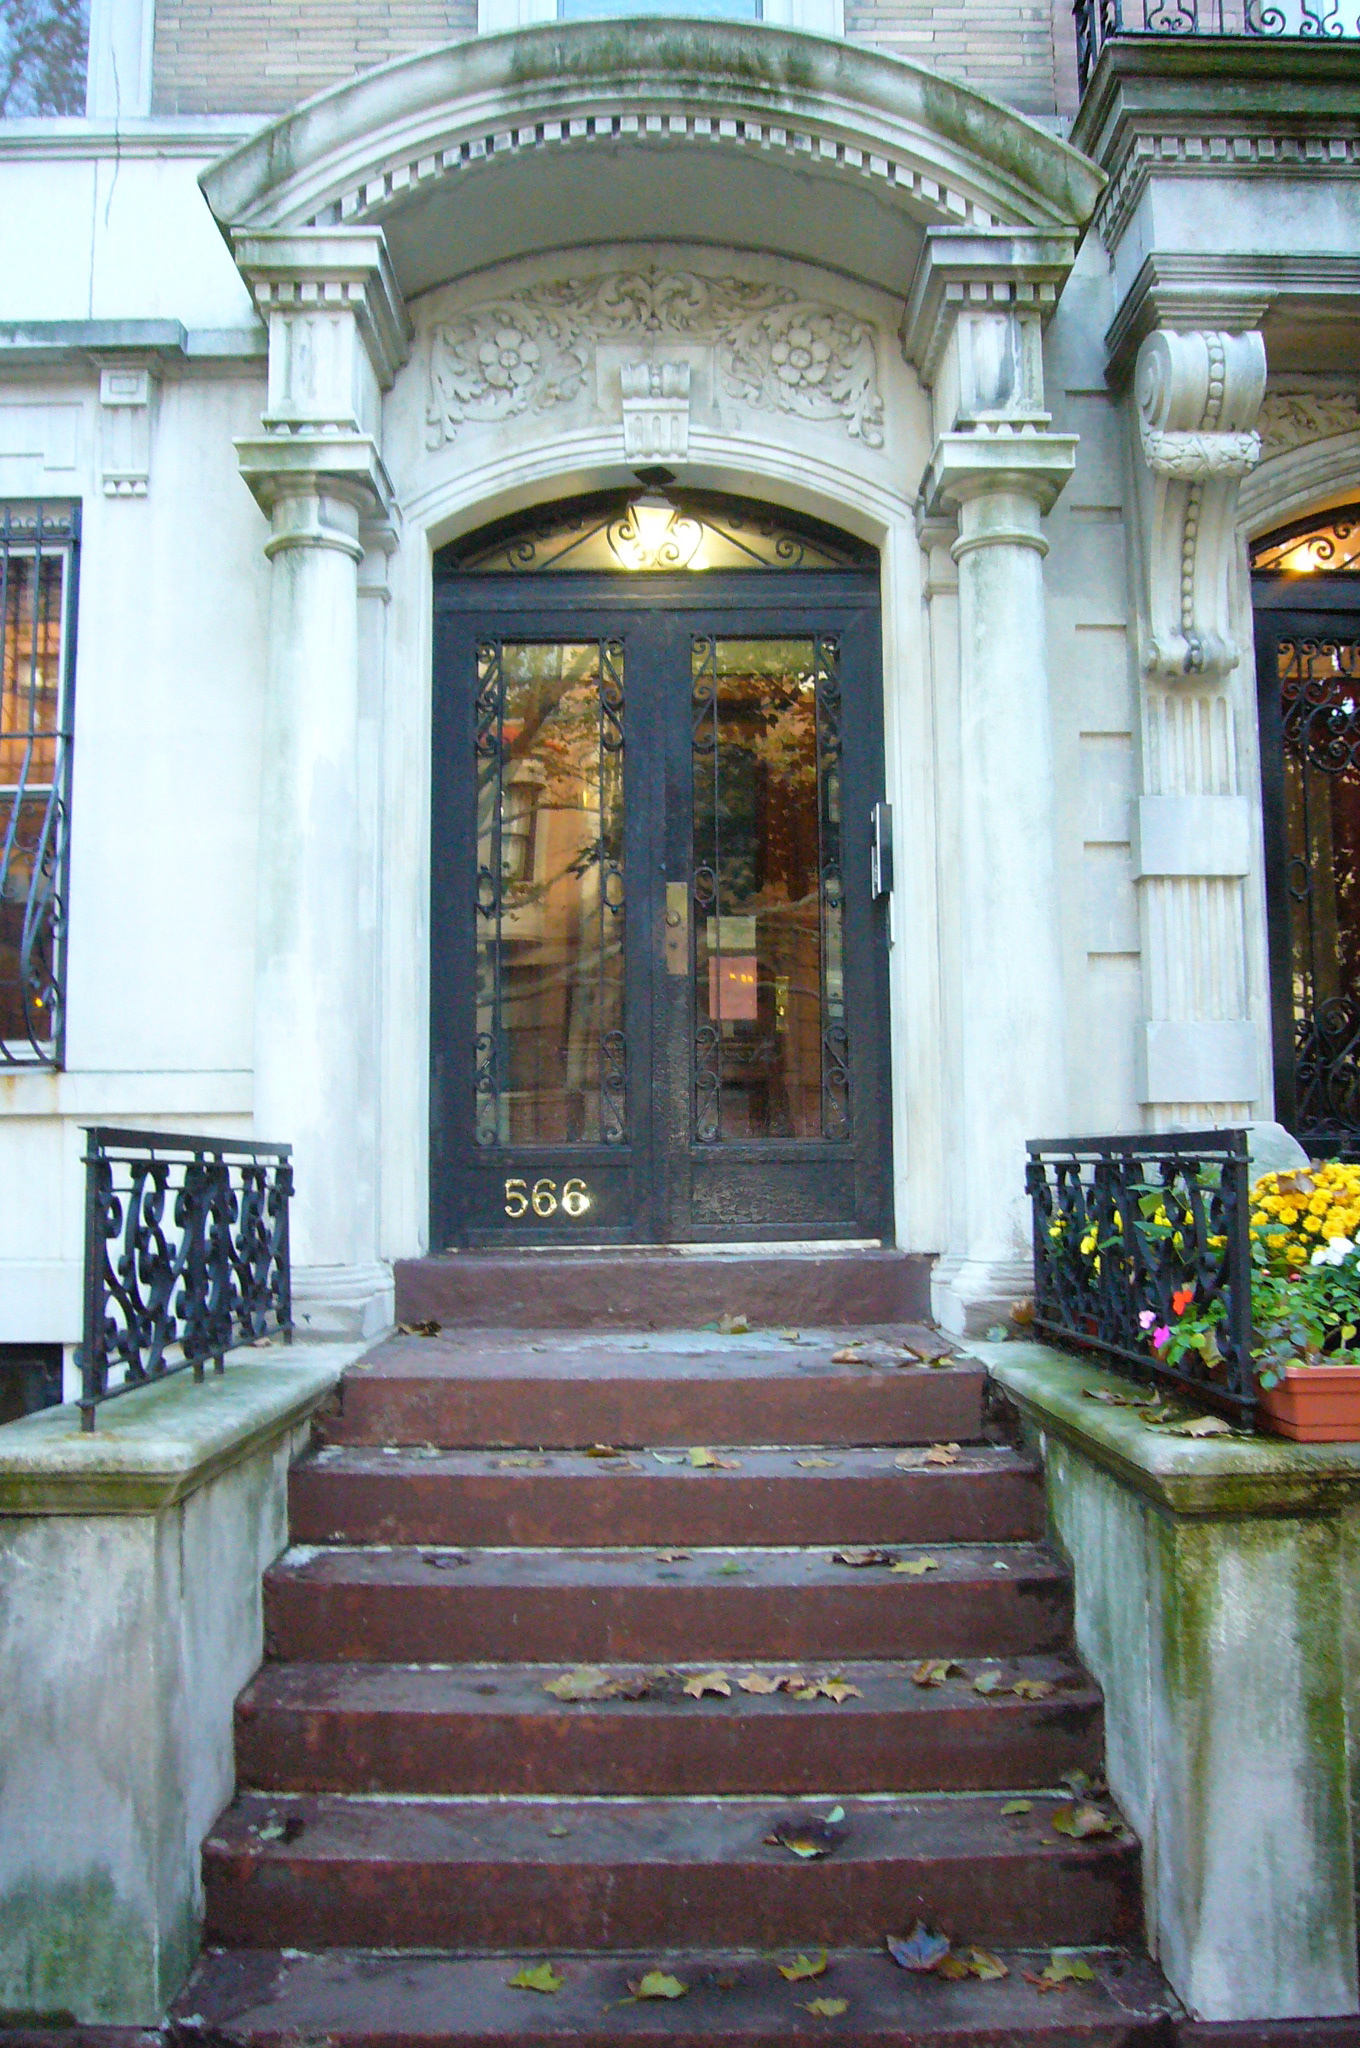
<point x="26" y="344"/>
<point x="927" y="148"/>
<point x="961" y="269"/>
<point x="1205" y="106"/>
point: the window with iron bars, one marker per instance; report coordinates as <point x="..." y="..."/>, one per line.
<point x="38" y="549"/>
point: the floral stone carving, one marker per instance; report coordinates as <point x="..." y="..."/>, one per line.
<point x="773" y="350"/>
<point x="1290" y="419"/>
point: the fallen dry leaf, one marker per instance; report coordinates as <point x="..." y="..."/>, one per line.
<point x="734" y="1325"/>
<point x="861" y="1555"/>
<point x="1061" y="1970"/>
<point x="759" y="1682"/>
<point x="917" y="1566"/>
<point x="1081" y="1820"/>
<point x="803" y="1967"/>
<point x="933" y="1670"/>
<point x="1034" y="1688"/>
<point x="588" y="1682"/>
<point x="908" y="1461"/>
<point x="429" y="1328"/>
<point x="1083" y="1786"/>
<point x="826" y="2008"/>
<point x="942" y="1454"/>
<point x="791" y="1336"/>
<point x="834" y="1688"/>
<point x="922" y="1951"/>
<point x="707" y="1460"/>
<point x="1203" y="1425"/>
<point x="700" y="1682"/>
<point x="849" y="1354"/>
<point x="276" y="1830"/>
<point x="558" y="1830"/>
<point x="604" y="1451"/>
<point x="1014" y="1806"/>
<point x="815" y="1463"/>
<point x="806" y="1835"/>
<point x="538" y="1977"/>
<point x="988" y="1682"/>
<point x="520" y="1461"/>
<point x="443" y="1561"/>
<point x="672" y="1556"/>
<point x="972" y="1962"/>
<point x="658" y="1984"/>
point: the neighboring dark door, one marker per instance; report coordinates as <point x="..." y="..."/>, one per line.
<point x="659" y="978"/>
<point x="1306" y="599"/>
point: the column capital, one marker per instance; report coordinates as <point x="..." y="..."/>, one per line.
<point x="1196" y="397"/>
<point x="972" y="271"/>
<point x="998" y="462"/>
<point x="317" y="490"/>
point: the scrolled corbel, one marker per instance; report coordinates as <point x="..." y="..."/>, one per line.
<point x="1197" y="396"/>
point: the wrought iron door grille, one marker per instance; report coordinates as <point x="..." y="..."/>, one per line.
<point x="38" y="546"/>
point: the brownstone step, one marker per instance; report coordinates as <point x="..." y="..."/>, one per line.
<point x="489" y="1388"/>
<point x="858" y="1496"/>
<point x="353" y="1999"/>
<point x="319" y="1871"/>
<point x="487" y="1728"/>
<point x="661" y="1289"/>
<point x="537" y="1606"/>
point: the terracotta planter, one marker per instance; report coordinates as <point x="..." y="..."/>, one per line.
<point x="1318" y="1404"/>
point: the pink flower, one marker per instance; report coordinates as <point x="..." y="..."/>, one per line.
<point x="1147" y="1318"/>
<point x="1161" y="1335"/>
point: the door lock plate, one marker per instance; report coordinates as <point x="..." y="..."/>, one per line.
<point x="677" y="927"/>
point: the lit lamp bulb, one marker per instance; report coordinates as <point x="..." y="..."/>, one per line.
<point x="652" y="515"/>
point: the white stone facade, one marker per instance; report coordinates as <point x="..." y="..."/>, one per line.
<point x="271" y="404"/>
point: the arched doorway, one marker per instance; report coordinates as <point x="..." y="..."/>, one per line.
<point x="1306" y="597"/>
<point x="658" y="957"/>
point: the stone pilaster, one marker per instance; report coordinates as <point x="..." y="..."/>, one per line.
<point x="337" y="333"/>
<point x="974" y="329"/>
<point x="1195" y="397"/>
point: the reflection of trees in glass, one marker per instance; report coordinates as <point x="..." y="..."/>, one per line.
<point x="44" y="46"/>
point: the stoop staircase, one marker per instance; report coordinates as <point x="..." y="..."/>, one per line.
<point x="418" y="1818"/>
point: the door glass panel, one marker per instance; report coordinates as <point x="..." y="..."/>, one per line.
<point x="1320" y="722"/>
<point x="550" y="1056"/>
<point x="771" y="1052"/>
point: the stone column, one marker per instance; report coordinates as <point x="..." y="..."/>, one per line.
<point x="336" y="336"/>
<point x="974" y="329"/>
<point x="1196" y="396"/>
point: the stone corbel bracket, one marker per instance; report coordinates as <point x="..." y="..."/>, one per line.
<point x="1197" y="396"/>
<point x="127" y="394"/>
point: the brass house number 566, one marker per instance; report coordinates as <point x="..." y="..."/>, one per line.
<point x="543" y="1198"/>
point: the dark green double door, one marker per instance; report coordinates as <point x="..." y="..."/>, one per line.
<point x="659" y="975"/>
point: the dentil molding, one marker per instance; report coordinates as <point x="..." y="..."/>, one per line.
<point x="1197" y="396"/>
<point x="772" y="349"/>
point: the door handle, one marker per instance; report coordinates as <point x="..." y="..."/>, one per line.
<point x="677" y="928"/>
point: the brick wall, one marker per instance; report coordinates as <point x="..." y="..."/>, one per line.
<point x="262" y="56"/>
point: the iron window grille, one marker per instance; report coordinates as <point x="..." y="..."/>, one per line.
<point x="39" y="546"/>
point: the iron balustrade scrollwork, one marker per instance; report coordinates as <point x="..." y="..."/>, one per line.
<point x="186" y="1255"/>
<point x="1122" y="1226"/>
<point x="1100" y="21"/>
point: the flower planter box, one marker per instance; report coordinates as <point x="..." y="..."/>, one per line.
<point x="1316" y="1404"/>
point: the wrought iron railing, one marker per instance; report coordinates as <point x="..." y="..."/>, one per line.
<point x="1132" y="1233"/>
<point x="1097" y="21"/>
<point x="186" y="1254"/>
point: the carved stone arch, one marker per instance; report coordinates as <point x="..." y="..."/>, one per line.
<point x="1311" y="476"/>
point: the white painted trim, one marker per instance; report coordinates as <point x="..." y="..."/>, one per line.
<point x="122" y="34"/>
<point x="813" y="17"/>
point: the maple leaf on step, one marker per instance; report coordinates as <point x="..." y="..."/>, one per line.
<point x="1034" y="1688"/>
<point x="802" y="1967"/>
<point x="922" y="1951"/>
<point x="586" y="1682"/>
<point x="972" y="1962"/>
<point x="733" y="1325"/>
<point x="1081" y="1820"/>
<point x="826" y="2008"/>
<point x="933" y="1670"/>
<point x="806" y="1836"/>
<point x="860" y="1555"/>
<point x="1061" y="1970"/>
<point x="700" y="1682"/>
<point x="849" y="1354"/>
<point x="658" y="1984"/>
<point x="815" y="1463"/>
<point x="759" y="1682"/>
<point x="672" y="1556"/>
<point x="916" y="1567"/>
<point x="942" y="1454"/>
<point x="538" y="1977"/>
<point x="988" y="1682"/>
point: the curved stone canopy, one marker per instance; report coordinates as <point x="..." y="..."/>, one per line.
<point x="645" y="130"/>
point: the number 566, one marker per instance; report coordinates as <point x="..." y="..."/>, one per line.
<point x="543" y="1199"/>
